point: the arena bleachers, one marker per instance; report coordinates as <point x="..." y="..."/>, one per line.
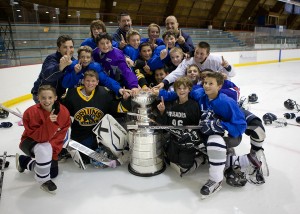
<point x="34" y="42"/>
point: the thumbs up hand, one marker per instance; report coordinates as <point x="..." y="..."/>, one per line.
<point x="224" y="63"/>
<point x="147" y="68"/>
<point x="65" y="60"/>
<point x="126" y="93"/>
<point x="53" y="117"/>
<point x="78" y="67"/>
<point x="161" y="106"/>
<point x="153" y="44"/>
<point x="122" y="42"/>
<point x="180" y="39"/>
<point x="164" y="53"/>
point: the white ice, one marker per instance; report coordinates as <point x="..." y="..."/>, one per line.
<point x="118" y="191"/>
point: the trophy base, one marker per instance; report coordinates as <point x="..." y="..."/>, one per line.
<point x="146" y="174"/>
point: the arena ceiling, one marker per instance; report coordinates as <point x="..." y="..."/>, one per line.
<point x="228" y="14"/>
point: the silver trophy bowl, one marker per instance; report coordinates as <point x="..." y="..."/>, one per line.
<point x="144" y="98"/>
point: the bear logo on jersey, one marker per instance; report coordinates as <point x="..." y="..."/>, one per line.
<point x="88" y="116"/>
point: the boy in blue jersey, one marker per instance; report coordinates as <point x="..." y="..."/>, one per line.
<point x="131" y="50"/>
<point x="75" y="72"/>
<point x="161" y="55"/>
<point x="176" y="56"/>
<point x="141" y="68"/>
<point x="96" y="27"/>
<point x="221" y="117"/>
<point x="228" y="87"/>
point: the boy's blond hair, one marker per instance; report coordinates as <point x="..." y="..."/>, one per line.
<point x="85" y="48"/>
<point x="132" y="33"/>
<point x="176" y="50"/>
<point x="91" y="73"/>
<point x="153" y="25"/>
<point x="47" y="88"/>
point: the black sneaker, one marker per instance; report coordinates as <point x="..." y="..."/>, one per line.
<point x="18" y="166"/>
<point x="210" y="188"/>
<point x="49" y="186"/>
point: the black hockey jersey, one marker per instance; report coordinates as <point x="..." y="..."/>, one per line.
<point x="88" y="111"/>
<point x="184" y="114"/>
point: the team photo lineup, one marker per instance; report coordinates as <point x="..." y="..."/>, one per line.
<point x="149" y="103"/>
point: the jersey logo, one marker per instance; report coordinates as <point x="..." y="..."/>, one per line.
<point x="108" y="60"/>
<point x="88" y="116"/>
<point x="176" y="114"/>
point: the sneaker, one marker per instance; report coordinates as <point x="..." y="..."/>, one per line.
<point x="210" y="188"/>
<point x="49" y="186"/>
<point x="258" y="168"/>
<point x="18" y="166"/>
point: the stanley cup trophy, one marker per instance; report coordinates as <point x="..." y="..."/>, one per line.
<point x="146" y="157"/>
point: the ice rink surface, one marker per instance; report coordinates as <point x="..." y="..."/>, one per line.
<point x="117" y="191"/>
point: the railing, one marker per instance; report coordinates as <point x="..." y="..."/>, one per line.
<point x="27" y="41"/>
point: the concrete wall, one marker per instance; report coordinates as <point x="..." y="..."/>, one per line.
<point x="18" y="81"/>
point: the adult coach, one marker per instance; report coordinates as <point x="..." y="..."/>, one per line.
<point x="54" y="67"/>
<point x="125" y="23"/>
<point x="184" y="40"/>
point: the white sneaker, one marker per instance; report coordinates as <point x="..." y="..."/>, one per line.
<point x="210" y="188"/>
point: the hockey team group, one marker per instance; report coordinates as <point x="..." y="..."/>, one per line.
<point x="191" y="86"/>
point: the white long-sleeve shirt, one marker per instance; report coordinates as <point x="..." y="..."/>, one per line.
<point x="212" y="62"/>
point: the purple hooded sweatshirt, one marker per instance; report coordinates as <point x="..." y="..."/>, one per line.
<point x="114" y="64"/>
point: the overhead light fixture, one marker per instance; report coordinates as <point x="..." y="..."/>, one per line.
<point x="54" y="17"/>
<point x="20" y="16"/>
<point x="47" y="11"/>
<point x="57" y="12"/>
<point x="36" y="7"/>
<point x="12" y="2"/>
<point x="69" y="15"/>
<point x="18" y="10"/>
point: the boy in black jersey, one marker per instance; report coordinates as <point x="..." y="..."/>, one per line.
<point x="88" y="104"/>
<point x="182" y="112"/>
